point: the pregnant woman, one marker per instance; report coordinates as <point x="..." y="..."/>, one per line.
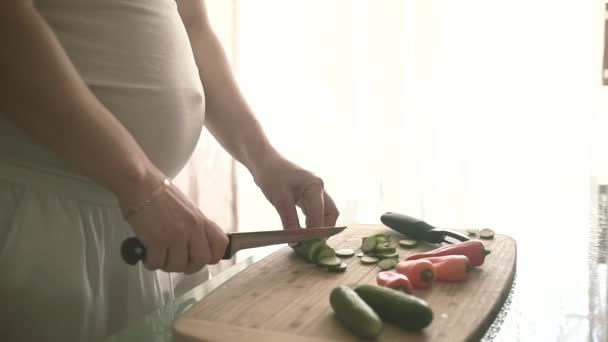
<point x="101" y="103"/>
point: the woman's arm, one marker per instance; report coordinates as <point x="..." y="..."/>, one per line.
<point x="226" y="109"/>
<point x="42" y="93"/>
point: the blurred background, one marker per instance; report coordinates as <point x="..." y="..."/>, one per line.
<point x="462" y="113"/>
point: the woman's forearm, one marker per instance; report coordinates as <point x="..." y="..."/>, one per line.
<point x="42" y="93"/>
<point x="228" y="116"/>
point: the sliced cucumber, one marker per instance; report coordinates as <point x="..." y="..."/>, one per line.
<point x="360" y="254"/>
<point x="314" y="248"/>
<point x="472" y="231"/>
<point x="330" y="262"/>
<point x="388" y="256"/>
<point x="382" y="244"/>
<point x="387" y="264"/>
<point x="345" y="253"/>
<point x="408" y="243"/>
<point x="385" y="250"/>
<point x="382" y="238"/>
<point x="368" y="244"/>
<point x="367" y="260"/>
<point x="486" y="233"/>
<point x="340" y="268"/>
<point x="326" y="252"/>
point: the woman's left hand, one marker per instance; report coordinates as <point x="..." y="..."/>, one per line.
<point x="286" y="185"/>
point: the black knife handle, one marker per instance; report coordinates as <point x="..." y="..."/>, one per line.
<point x="412" y="227"/>
<point x="133" y="251"/>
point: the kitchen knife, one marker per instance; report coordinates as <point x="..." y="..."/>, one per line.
<point x="132" y="250"/>
<point x="418" y="229"/>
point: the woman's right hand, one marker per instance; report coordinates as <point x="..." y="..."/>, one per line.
<point x="177" y="235"/>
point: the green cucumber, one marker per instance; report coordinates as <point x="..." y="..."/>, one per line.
<point x="382" y="245"/>
<point x="325" y="252"/>
<point x="340" y="268"/>
<point x="345" y="253"/>
<point x="368" y="244"/>
<point x="408" y="243"/>
<point x="314" y="248"/>
<point x="405" y="311"/>
<point x="387" y="256"/>
<point x="382" y="238"/>
<point x="353" y="312"/>
<point x="360" y="254"/>
<point x="330" y="261"/>
<point x="387" y="264"/>
<point x="486" y="233"/>
<point x="369" y="260"/>
<point x="385" y="250"/>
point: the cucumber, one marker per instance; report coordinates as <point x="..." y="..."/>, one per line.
<point x="385" y="250"/>
<point x="325" y="252"/>
<point x="353" y="312"/>
<point x="314" y="248"/>
<point x="360" y="254"/>
<point x="387" y="264"/>
<point x="382" y="244"/>
<point x="382" y="238"/>
<point x="472" y="231"/>
<point x="340" y="268"/>
<point x="345" y="253"/>
<point x="330" y="261"/>
<point x="405" y="311"/>
<point x="486" y="233"/>
<point x="368" y="260"/>
<point x="368" y="244"/>
<point x="408" y="243"/>
<point x="387" y="256"/>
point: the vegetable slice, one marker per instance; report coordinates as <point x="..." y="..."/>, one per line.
<point x="345" y="253"/>
<point x="330" y="262"/>
<point x="387" y="264"/>
<point x="369" y="260"/>
<point x="486" y="233"/>
<point x="408" y="243"/>
<point x="368" y="244"/>
<point x="340" y="268"/>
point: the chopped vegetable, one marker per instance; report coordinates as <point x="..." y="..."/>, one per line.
<point x="486" y="233"/>
<point x="472" y="249"/>
<point x="408" y="243"/>
<point x="472" y="231"/>
<point x="345" y="253"/>
<point x="360" y="254"/>
<point x="450" y="267"/>
<point x="368" y="244"/>
<point x="419" y="272"/>
<point x="395" y="281"/>
<point x="330" y="261"/>
<point x="387" y="256"/>
<point x="385" y="250"/>
<point x="369" y="260"/>
<point x="387" y="264"/>
<point x="340" y="268"/>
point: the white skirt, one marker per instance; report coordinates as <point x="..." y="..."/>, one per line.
<point x="61" y="274"/>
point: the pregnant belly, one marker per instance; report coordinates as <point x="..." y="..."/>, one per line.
<point x="136" y="58"/>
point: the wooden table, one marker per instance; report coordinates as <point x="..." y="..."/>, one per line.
<point x="282" y="297"/>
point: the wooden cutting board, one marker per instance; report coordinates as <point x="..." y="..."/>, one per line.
<point x="284" y="298"/>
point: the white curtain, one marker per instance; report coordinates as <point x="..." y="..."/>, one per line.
<point x="462" y="113"/>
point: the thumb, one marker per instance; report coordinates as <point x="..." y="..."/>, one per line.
<point x="286" y="208"/>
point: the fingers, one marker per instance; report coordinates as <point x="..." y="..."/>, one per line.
<point x="286" y="208"/>
<point x="199" y="250"/>
<point x="312" y="201"/>
<point x="177" y="257"/>
<point x="155" y="257"/>
<point x="331" y="212"/>
<point x="217" y="240"/>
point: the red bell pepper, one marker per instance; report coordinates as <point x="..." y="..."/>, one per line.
<point x="472" y="249"/>
<point x="394" y="280"/>
<point x="419" y="272"/>
<point x="451" y="267"/>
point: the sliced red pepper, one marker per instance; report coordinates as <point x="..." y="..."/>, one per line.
<point x="419" y="272"/>
<point x="451" y="267"/>
<point x="472" y="249"/>
<point x="394" y="280"/>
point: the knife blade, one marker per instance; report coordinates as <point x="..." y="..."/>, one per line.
<point x="132" y="250"/>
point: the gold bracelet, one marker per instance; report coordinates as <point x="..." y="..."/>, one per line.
<point x="159" y="190"/>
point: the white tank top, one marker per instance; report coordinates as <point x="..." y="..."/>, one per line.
<point x="136" y="58"/>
